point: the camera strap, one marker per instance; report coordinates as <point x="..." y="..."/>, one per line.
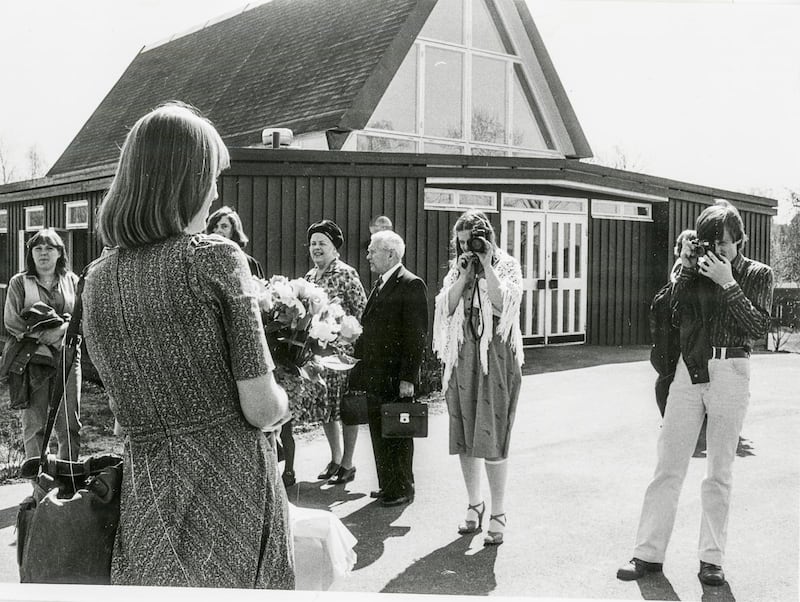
<point x="476" y="330"/>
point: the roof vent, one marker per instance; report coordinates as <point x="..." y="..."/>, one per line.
<point x="277" y="137"/>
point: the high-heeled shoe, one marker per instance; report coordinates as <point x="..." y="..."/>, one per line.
<point x="472" y="526"/>
<point x="495" y="538"/>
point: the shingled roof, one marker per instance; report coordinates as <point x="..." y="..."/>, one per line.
<point x="292" y="63"/>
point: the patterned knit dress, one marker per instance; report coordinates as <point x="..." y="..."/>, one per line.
<point x="171" y="327"/>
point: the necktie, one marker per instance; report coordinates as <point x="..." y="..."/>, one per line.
<point x="377" y="286"/>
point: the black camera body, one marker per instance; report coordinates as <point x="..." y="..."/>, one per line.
<point x="477" y="242"/>
<point x="701" y="247"/>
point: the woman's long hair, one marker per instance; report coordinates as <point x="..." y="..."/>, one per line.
<point x="167" y="168"/>
<point x="237" y="230"/>
<point x="467" y="221"/>
<point x="46" y="236"/>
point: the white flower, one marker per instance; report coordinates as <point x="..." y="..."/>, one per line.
<point x="335" y="311"/>
<point x="350" y="329"/>
<point x="324" y="331"/>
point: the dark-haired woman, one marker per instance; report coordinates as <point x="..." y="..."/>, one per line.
<point x="476" y="335"/>
<point x="227" y="223"/>
<point x="47" y="280"/>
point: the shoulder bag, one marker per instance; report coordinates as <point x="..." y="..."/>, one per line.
<point x="66" y="528"/>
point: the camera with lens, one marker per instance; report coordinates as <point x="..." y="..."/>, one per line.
<point x="477" y="242"/>
<point x="700" y="247"/>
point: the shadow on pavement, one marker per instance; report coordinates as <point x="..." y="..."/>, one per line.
<point x="656" y="586"/>
<point x="570" y="357"/>
<point x="718" y="594"/>
<point x="372" y="526"/>
<point x="8" y="517"/>
<point x="319" y="495"/>
<point x="453" y="569"/>
<point x="745" y="448"/>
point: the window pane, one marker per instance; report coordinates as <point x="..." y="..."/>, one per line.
<point x="554" y="252"/>
<point x="554" y="312"/>
<point x="480" y="201"/>
<point x="525" y="130"/>
<point x="445" y="22"/>
<point x="440" y="197"/>
<point x="488" y="100"/>
<point x="485" y="151"/>
<point x="512" y="229"/>
<point x="565" y="205"/>
<point x="565" y="250"/>
<point x="565" y="311"/>
<point x="537" y="241"/>
<point x="448" y="149"/>
<point x="484" y="32"/>
<point x="578" y="240"/>
<point x="380" y="144"/>
<point x="523" y="248"/>
<point x="577" y="326"/>
<point x="77" y="214"/>
<point x="3" y="220"/>
<point x="397" y="109"/>
<point x="443" y="93"/>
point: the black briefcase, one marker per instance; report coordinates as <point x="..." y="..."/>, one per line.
<point x="404" y="419"/>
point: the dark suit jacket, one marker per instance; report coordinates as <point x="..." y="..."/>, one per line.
<point x="395" y="327"/>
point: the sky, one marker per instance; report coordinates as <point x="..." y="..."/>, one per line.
<point x="702" y="91"/>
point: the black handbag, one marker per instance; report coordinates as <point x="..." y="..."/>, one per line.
<point x="66" y="529"/>
<point x="404" y="419"/>
<point x="353" y="408"/>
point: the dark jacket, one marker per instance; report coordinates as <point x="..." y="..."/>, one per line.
<point x="692" y="310"/>
<point x="395" y="327"/>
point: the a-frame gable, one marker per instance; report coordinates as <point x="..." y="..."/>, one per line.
<point x="477" y="80"/>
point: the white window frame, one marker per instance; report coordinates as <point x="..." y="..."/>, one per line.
<point x="468" y="51"/>
<point x="28" y="212"/>
<point x="621" y="210"/>
<point x="70" y="225"/>
<point x="4" y="213"/>
<point x="457" y="204"/>
<point x="545" y="201"/>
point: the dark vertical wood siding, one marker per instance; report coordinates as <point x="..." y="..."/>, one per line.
<point x="620" y="282"/>
<point x="276" y="211"/>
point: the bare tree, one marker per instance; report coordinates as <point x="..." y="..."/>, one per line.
<point x="7" y="171"/>
<point x="37" y="166"/>
<point x="618" y="158"/>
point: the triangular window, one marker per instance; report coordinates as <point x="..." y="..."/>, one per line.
<point x="397" y="110"/>
<point x="526" y="132"/>
<point x="446" y="22"/>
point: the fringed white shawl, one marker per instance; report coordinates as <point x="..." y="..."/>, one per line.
<point x="448" y="330"/>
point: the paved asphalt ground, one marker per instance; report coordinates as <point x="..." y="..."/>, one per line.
<point x="582" y="452"/>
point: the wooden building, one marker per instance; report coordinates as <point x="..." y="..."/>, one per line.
<point x="392" y="116"/>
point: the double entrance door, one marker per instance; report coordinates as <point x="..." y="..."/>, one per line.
<point x="552" y="251"/>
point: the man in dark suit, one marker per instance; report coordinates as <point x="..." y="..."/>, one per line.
<point x="395" y="326"/>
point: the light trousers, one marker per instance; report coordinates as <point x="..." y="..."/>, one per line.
<point x="68" y="420"/>
<point x="724" y="399"/>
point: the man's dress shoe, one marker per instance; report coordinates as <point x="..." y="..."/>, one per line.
<point x="396" y="501"/>
<point x="636" y="569"/>
<point x="711" y="574"/>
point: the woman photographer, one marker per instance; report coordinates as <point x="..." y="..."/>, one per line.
<point x="173" y="327"/>
<point x="476" y="335"/>
<point x="48" y="281"/>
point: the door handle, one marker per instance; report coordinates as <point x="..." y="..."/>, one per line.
<point x="553" y="283"/>
<point x="541" y="284"/>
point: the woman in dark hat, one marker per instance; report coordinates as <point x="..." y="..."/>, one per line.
<point x="341" y="282"/>
<point x="227" y="223"/>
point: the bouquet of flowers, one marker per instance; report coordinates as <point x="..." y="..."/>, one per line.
<point x="306" y="330"/>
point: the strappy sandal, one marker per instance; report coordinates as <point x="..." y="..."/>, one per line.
<point x="472" y="526"/>
<point x="495" y="538"/>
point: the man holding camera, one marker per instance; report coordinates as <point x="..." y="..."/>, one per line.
<point x="722" y="302"/>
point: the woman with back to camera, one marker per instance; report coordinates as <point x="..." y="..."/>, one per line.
<point x="341" y="282"/>
<point x="46" y="279"/>
<point x="172" y="324"/>
<point x="227" y="223"/>
<point x="476" y="335"/>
